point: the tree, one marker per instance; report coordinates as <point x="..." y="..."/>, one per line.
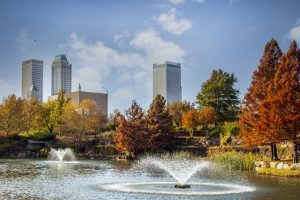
<point x="177" y="109"/>
<point x="114" y="120"/>
<point x="250" y="130"/>
<point x="85" y="120"/>
<point x="219" y="93"/>
<point x="31" y="114"/>
<point x="11" y="115"/>
<point x="159" y="125"/>
<point x="190" y="120"/>
<point x="131" y="132"/>
<point x="53" y="112"/>
<point x="280" y="110"/>
<point x="207" y="116"/>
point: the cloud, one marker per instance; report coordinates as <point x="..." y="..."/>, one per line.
<point x="198" y="1"/>
<point x="173" y="25"/>
<point x="24" y="40"/>
<point x="127" y="75"/>
<point x="120" y="38"/>
<point x="294" y="33"/>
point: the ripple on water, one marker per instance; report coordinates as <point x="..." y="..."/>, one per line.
<point x="168" y="188"/>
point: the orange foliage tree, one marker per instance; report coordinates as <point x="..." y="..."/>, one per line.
<point x="207" y="116"/>
<point x="280" y="111"/>
<point x="131" y="132"/>
<point x="250" y="130"/>
<point x="190" y="120"/>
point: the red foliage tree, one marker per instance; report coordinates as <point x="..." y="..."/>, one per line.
<point x="251" y="132"/>
<point x="280" y="111"/>
<point x="131" y="132"/>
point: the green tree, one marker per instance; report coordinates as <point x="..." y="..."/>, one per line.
<point x="219" y="93"/>
<point x="159" y="125"/>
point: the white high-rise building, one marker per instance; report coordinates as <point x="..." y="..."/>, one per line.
<point x="61" y="75"/>
<point x="32" y="79"/>
<point x="167" y="81"/>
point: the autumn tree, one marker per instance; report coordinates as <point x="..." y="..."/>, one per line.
<point x="280" y="110"/>
<point x="82" y="121"/>
<point x="219" y="93"/>
<point x="207" y="116"/>
<point x="11" y="115"/>
<point x="31" y="115"/>
<point x="53" y="112"/>
<point x="252" y="134"/>
<point x="177" y="109"/>
<point x="190" y="120"/>
<point x="159" y="125"/>
<point x="131" y="134"/>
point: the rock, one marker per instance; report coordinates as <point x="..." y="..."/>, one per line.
<point x="273" y="165"/>
<point x="286" y="167"/>
<point x="280" y="165"/>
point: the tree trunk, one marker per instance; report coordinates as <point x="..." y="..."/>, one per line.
<point x="274" y="151"/>
<point x="295" y="157"/>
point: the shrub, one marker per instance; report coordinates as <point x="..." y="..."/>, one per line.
<point x="228" y="129"/>
<point x="37" y="135"/>
<point x="216" y="132"/>
<point x="235" y="160"/>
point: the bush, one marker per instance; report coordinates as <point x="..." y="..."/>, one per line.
<point x="216" y="132"/>
<point x="235" y="160"/>
<point x="37" y="135"/>
<point x="228" y="129"/>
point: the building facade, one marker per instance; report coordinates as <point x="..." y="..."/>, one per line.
<point x="167" y="81"/>
<point x="100" y="99"/>
<point x="61" y="75"/>
<point x="32" y="79"/>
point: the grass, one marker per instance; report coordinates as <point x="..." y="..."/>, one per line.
<point x="278" y="172"/>
<point x="235" y="160"/>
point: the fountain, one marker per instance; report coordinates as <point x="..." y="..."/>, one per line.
<point x="61" y="154"/>
<point x="180" y="169"/>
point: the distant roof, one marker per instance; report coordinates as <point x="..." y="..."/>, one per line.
<point x="61" y="57"/>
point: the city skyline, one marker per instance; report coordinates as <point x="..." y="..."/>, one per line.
<point x="109" y="46"/>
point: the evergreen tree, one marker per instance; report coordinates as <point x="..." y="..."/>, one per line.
<point x="219" y="93"/>
<point x="159" y="125"/>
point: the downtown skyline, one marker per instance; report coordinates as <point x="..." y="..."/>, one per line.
<point x="114" y="44"/>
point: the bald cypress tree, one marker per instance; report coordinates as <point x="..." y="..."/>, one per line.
<point x="280" y="111"/>
<point x="251" y="132"/>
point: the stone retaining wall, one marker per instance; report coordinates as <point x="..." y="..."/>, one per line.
<point x="276" y="165"/>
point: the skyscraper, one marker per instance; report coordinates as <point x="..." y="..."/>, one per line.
<point x="32" y="79"/>
<point x="167" y="81"/>
<point x="61" y="75"/>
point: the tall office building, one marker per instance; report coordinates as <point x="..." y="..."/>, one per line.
<point x="167" y="81"/>
<point x="32" y="79"/>
<point x="61" y="75"/>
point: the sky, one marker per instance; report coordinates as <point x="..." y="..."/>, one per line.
<point x="113" y="44"/>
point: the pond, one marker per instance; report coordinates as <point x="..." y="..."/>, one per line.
<point x="41" y="179"/>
